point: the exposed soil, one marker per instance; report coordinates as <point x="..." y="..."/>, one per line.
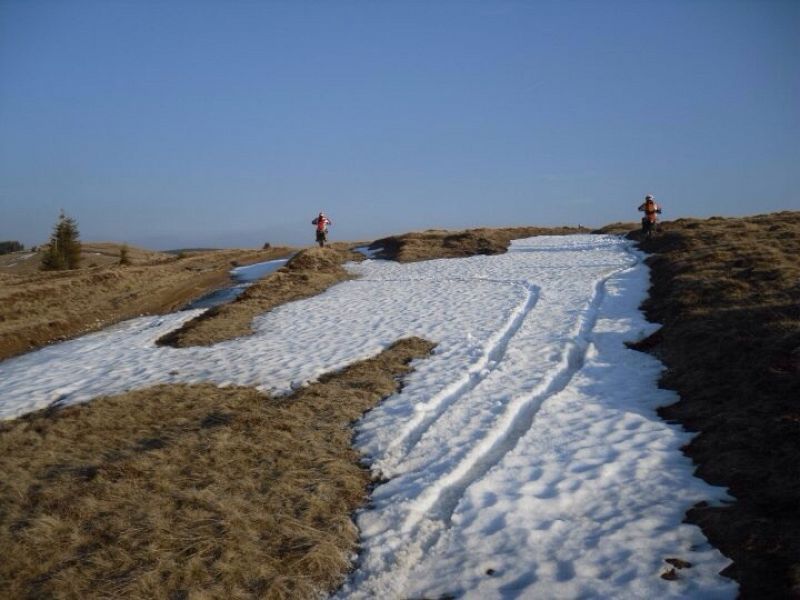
<point x="190" y="491"/>
<point x="37" y="308"/>
<point x="308" y="273"/>
<point x="728" y="294"/>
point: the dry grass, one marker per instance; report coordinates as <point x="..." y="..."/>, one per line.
<point x="41" y="307"/>
<point x="728" y="294"/>
<point x="439" y="243"/>
<point x="308" y="273"/>
<point x="93" y="254"/>
<point x="182" y="491"/>
<point x="196" y="491"/>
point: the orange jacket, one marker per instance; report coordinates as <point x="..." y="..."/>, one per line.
<point x="322" y="224"/>
<point x="650" y="210"/>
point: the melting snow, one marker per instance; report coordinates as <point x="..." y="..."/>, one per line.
<point x="245" y="276"/>
<point x="525" y="457"/>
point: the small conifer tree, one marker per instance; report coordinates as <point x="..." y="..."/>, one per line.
<point x="64" y="248"/>
<point x="52" y="260"/>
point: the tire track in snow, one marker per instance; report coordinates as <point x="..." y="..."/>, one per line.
<point x="489" y="361"/>
<point x="430" y="515"/>
<point x="440" y="500"/>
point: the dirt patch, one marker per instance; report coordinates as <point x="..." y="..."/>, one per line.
<point x="728" y="294"/>
<point x="438" y="243"/>
<point x="190" y="491"/>
<point x="307" y="274"/>
<point x="37" y="308"/>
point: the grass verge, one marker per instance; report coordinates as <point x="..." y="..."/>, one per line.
<point x="728" y="294"/>
<point x="190" y="491"/>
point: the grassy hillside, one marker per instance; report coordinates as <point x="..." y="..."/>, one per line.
<point x="39" y="307"/>
<point x="172" y="473"/>
<point x="93" y="254"/>
<point x="728" y="294"/>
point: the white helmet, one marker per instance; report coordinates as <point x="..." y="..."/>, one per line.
<point x="649" y="197"/>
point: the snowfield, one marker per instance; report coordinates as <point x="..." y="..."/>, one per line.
<point x="525" y="458"/>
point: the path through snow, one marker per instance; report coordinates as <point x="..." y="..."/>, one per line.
<point x="525" y="457"/>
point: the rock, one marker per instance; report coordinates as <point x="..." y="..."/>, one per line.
<point x="678" y="563"/>
<point x="671" y="575"/>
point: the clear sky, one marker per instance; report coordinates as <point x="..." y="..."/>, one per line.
<point x="230" y="123"/>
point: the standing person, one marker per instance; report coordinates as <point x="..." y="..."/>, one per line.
<point x="322" y="223"/>
<point x="650" y="210"/>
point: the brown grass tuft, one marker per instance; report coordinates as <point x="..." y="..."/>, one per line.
<point x="728" y="294"/>
<point x="439" y="243"/>
<point x="190" y="491"/>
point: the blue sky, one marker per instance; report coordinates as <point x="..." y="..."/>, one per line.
<point x="189" y="123"/>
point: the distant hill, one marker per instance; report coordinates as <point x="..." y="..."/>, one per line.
<point x="93" y="254"/>
<point x="186" y="250"/>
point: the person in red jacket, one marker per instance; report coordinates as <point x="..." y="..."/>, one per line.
<point x="322" y="223"/>
<point x="650" y="210"/>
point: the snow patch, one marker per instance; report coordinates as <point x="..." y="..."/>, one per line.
<point x="525" y="455"/>
<point x="369" y="254"/>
